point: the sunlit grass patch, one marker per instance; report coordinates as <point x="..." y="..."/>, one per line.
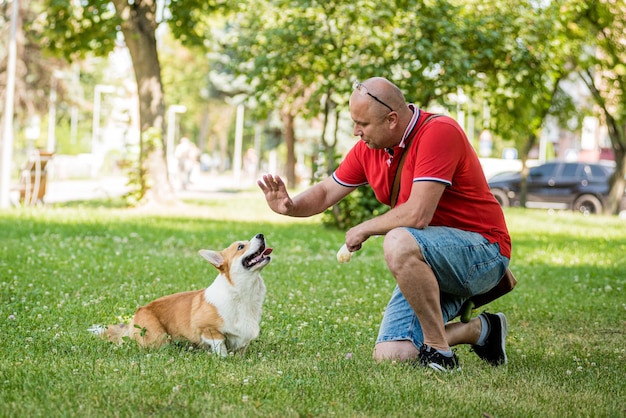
<point x="63" y="269"/>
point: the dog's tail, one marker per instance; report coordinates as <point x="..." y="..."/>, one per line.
<point x="113" y="333"/>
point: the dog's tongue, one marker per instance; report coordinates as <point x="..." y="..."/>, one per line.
<point x="267" y="251"/>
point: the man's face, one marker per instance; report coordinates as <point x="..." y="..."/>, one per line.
<point x="370" y="123"/>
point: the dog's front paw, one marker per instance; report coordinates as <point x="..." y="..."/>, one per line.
<point x="97" y="329"/>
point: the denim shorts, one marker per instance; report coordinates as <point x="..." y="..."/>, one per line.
<point x="464" y="263"/>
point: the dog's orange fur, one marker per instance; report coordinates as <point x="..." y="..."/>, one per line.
<point x="184" y="315"/>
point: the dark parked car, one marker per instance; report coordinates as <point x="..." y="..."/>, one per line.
<point x="577" y="186"/>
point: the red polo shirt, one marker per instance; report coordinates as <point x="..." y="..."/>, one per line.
<point x="439" y="151"/>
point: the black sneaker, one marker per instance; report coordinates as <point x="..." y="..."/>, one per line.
<point x="493" y="351"/>
<point x="429" y="357"/>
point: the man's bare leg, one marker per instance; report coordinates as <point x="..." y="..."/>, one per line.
<point x="456" y="333"/>
<point x="418" y="285"/>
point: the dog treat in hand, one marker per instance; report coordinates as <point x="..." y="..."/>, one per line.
<point x="343" y="255"/>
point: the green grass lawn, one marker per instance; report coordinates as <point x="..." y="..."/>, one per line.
<point x="65" y="268"/>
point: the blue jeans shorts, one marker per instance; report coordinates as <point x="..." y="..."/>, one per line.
<point x="465" y="264"/>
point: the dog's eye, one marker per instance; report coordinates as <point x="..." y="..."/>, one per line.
<point x="241" y="247"/>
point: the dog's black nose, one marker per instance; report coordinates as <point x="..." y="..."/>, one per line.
<point x="260" y="236"/>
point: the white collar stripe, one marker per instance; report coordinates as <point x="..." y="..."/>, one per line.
<point x="412" y="122"/>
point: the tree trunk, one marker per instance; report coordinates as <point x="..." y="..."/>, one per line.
<point x="290" y="141"/>
<point x="618" y="185"/>
<point x="617" y="133"/>
<point x="330" y="145"/>
<point x="523" y="193"/>
<point x="139" y="26"/>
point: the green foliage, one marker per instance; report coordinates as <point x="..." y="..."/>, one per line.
<point x="522" y="68"/>
<point x="136" y="178"/>
<point x="139" y="174"/>
<point x="595" y="32"/>
<point x="64" y="269"/>
<point x="313" y="51"/>
<point x="191" y="21"/>
<point x="357" y="207"/>
<point x="67" y="29"/>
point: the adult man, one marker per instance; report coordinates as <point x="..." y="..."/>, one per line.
<point x="446" y="238"/>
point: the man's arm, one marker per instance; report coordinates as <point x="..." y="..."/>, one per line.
<point x="417" y="212"/>
<point x="310" y="202"/>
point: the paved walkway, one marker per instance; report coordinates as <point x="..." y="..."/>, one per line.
<point x="204" y="186"/>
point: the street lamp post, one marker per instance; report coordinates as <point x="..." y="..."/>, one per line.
<point x="238" y="144"/>
<point x="52" y="111"/>
<point x="7" y="135"/>
<point x="97" y="98"/>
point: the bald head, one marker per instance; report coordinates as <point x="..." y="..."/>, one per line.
<point x="386" y="91"/>
<point x="383" y="91"/>
<point x="380" y="113"/>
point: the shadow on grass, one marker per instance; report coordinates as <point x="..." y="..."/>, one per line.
<point x="109" y="203"/>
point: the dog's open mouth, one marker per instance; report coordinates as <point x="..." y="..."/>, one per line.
<point x="262" y="255"/>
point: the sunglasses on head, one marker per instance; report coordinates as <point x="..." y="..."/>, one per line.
<point x="358" y="86"/>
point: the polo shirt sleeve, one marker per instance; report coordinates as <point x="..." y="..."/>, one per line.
<point x="351" y="172"/>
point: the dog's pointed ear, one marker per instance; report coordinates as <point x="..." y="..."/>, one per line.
<point x="212" y="257"/>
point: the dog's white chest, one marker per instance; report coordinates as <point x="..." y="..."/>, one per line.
<point x="240" y="309"/>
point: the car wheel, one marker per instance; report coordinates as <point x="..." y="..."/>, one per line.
<point x="501" y="197"/>
<point x="588" y="204"/>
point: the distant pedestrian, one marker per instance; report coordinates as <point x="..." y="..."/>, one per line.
<point x="250" y="163"/>
<point x="187" y="155"/>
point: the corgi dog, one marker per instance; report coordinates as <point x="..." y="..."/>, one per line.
<point x="223" y="318"/>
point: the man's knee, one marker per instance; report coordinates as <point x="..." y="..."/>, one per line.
<point x="398" y="245"/>
<point x="399" y="242"/>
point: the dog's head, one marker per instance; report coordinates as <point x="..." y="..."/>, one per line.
<point x="240" y="256"/>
